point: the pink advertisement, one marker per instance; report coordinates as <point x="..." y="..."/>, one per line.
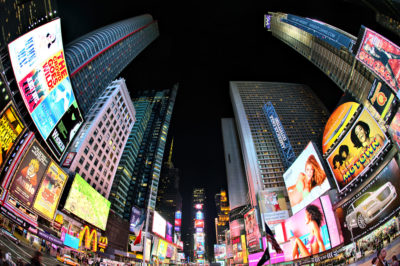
<point x="275" y="257"/>
<point x="236" y="228"/>
<point x="253" y="235"/>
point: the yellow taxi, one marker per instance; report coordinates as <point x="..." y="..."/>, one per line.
<point x="67" y="259"/>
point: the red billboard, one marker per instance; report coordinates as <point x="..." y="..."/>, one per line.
<point x="381" y="56"/>
<point x="199" y="223"/>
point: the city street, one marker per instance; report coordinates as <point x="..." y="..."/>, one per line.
<point x="23" y="251"/>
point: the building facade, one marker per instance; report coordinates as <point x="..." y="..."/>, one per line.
<point x="96" y="151"/>
<point x="222" y="221"/>
<point x="137" y="180"/>
<point x="105" y="53"/>
<point x="303" y="121"/>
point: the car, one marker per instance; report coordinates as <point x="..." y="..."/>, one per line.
<point x="67" y="259"/>
<point x="369" y="205"/>
<point x="9" y="235"/>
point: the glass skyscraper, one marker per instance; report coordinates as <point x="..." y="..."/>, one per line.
<point x="97" y="58"/>
<point x="137" y="178"/>
<point x="303" y="117"/>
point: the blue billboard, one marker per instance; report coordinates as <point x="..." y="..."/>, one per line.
<point x="322" y="31"/>
<point x="71" y="241"/>
<point x="279" y="134"/>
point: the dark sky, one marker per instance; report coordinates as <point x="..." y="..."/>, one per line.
<point x="203" y="45"/>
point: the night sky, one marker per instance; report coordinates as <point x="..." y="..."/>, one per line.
<point x="203" y="45"/>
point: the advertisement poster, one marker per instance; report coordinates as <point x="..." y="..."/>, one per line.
<point x="50" y="191"/>
<point x="273" y="206"/>
<point x="134" y="244"/>
<point x="159" y="225"/>
<point x="11" y="128"/>
<point x="237" y="250"/>
<point x="162" y="249"/>
<point x="40" y="69"/>
<point x="137" y="220"/>
<point x="168" y="235"/>
<point x="362" y="143"/>
<point x="29" y="174"/>
<point x="220" y="252"/>
<point x="382" y="57"/>
<point x="253" y="235"/>
<point x="236" y="228"/>
<point x="307" y="233"/>
<point x="305" y="179"/>
<point x="376" y="203"/>
<point x="88" y="204"/>
<point x="381" y="98"/>
<point x="394" y="129"/>
<point x="336" y="123"/>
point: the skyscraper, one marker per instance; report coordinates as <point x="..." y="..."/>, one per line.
<point x="137" y="179"/>
<point x="105" y="53"/>
<point x="198" y="236"/>
<point x="303" y="117"/>
<point x="96" y="151"/>
<point x="222" y="221"/>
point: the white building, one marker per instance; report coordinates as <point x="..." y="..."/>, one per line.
<point x="97" y="149"/>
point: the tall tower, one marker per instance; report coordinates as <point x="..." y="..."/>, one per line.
<point x="97" y="58"/>
<point x="222" y="221"/>
<point x="96" y="151"/>
<point x="303" y="120"/>
<point x="198" y="236"/>
<point x="141" y="162"/>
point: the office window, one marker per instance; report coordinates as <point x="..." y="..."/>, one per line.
<point x="86" y="150"/>
<point x="92" y="171"/>
<point x="91" y="141"/>
<point x="87" y="166"/>
<point x="81" y="160"/>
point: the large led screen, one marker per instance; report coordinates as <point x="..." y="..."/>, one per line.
<point x="11" y="128"/>
<point x="308" y="233"/>
<point x="253" y="235"/>
<point x="29" y="174"/>
<point x="50" y="191"/>
<point x="137" y="220"/>
<point x="159" y="225"/>
<point x="41" y="73"/>
<point x="168" y="232"/>
<point x="88" y="204"/>
<point x="382" y="99"/>
<point x="377" y="202"/>
<point x="162" y="249"/>
<point x="336" y="123"/>
<point x="305" y="179"/>
<point x="273" y="205"/>
<point x="382" y="57"/>
<point x="236" y="228"/>
<point x="220" y="252"/>
<point x="359" y="147"/>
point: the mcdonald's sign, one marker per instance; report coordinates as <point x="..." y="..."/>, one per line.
<point x="89" y="237"/>
<point x="103" y="242"/>
<point x="58" y="222"/>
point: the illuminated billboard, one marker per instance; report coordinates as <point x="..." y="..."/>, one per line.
<point x="382" y="57"/>
<point x="273" y="205"/>
<point x="305" y="179"/>
<point x="30" y="171"/>
<point x="382" y="99"/>
<point x="11" y="128"/>
<point x="373" y="205"/>
<point x="199" y="215"/>
<point x="236" y="228"/>
<point x="162" y="249"/>
<point x="253" y="235"/>
<point x="359" y="147"/>
<point x="336" y="124"/>
<point x="310" y="231"/>
<point x="220" y="252"/>
<point x="168" y="232"/>
<point x="137" y="220"/>
<point x="198" y="206"/>
<point x="50" y="191"/>
<point x="39" y="65"/>
<point x="394" y="129"/>
<point x="199" y="223"/>
<point x="159" y="225"/>
<point x="88" y="204"/>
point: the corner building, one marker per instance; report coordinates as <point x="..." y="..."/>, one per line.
<point x="137" y="178"/>
<point x="303" y="117"/>
<point x="97" y="58"/>
<point x="96" y="151"/>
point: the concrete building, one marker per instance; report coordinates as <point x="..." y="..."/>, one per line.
<point x="96" y="151"/>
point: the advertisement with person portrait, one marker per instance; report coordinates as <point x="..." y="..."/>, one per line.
<point x="39" y="65"/>
<point x="50" y="191"/>
<point x="30" y="172"/>
<point x="273" y="206"/>
<point x="236" y="228"/>
<point x="11" y="129"/>
<point x="168" y="232"/>
<point x="336" y="124"/>
<point x="381" y="56"/>
<point x="394" y="129"/>
<point x="88" y="204"/>
<point x="373" y="205"/>
<point x="137" y="220"/>
<point x="359" y="147"/>
<point x="307" y="232"/>
<point x="253" y="235"/>
<point x="382" y="99"/>
<point x="306" y="179"/>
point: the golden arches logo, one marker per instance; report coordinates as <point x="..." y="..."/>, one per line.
<point x="103" y="242"/>
<point x="88" y="238"/>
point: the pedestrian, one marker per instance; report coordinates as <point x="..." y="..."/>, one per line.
<point x="381" y="258"/>
<point x="374" y="261"/>
<point x="36" y="259"/>
<point x="395" y="262"/>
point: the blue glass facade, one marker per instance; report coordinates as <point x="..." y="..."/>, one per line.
<point x="97" y="58"/>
